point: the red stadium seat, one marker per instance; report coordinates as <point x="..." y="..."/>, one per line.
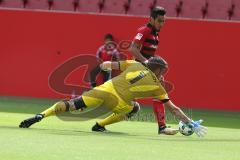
<point x="236" y="14"/>
<point x="64" y="5"/>
<point x="193" y="8"/>
<point x="12" y="3"/>
<point x="89" y="5"/>
<point x="140" y="7"/>
<point x="218" y="9"/>
<point x="38" y="4"/>
<point x="115" y="6"/>
<point x="170" y="6"/>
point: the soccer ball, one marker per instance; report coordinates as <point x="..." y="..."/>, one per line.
<point x="185" y="129"/>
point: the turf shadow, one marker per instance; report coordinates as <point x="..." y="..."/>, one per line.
<point x="123" y="134"/>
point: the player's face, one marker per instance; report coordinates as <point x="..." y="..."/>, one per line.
<point x="160" y="73"/>
<point x="159" y="22"/>
<point x="110" y="46"/>
<point x="108" y="40"/>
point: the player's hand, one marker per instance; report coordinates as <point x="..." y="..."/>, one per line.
<point x="198" y="129"/>
<point x="105" y="66"/>
<point x="102" y="66"/>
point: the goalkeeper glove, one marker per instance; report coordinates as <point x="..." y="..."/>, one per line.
<point x="105" y="66"/>
<point x="198" y="129"/>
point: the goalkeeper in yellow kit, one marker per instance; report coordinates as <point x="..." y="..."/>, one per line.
<point x="137" y="80"/>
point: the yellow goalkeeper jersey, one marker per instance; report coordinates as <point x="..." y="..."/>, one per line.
<point x="136" y="81"/>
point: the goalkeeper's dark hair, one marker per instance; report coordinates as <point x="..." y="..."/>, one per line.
<point x="157" y="11"/>
<point x="156" y="62"/>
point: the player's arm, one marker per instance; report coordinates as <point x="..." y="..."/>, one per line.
<point x="197" y="128"/>
<point x="120" y="65"/>
<point x="116" y="55"/>
<point x="99" y="53"/>
<point x="176" y="111"/>
<point x="110" y="65"/>
<point x="138" y="42"/>
<point x="135" y="50"/>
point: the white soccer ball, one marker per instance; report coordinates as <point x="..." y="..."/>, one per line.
<point x="185" y="129"/>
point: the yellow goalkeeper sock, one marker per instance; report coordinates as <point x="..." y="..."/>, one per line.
<point x="56" y="108"/>
<point x="113" y="118"/>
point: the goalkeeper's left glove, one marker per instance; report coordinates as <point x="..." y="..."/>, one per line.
<point x="198" y="129"/>
<point x="105" y="66"/>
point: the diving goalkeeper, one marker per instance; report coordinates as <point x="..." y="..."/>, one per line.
<point x="137" y="80"/>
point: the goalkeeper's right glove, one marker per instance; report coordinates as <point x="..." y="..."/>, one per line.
<point x="198" y="129"/>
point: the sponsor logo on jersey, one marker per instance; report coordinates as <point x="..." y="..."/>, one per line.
<point x="139" y="36"/>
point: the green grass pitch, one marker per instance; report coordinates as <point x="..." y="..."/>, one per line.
<point x="128" y="140"/>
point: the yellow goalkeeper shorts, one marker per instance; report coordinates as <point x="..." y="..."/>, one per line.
<point x="107" y="98"/>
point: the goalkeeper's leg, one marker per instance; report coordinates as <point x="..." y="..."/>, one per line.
<point x="59" y="107"/>
<point x="114" y="118"/>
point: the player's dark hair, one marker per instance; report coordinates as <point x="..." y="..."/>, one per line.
<point x="157" y="11"/>
<point x="108" y="36"/>
<point x="156" y="62"/>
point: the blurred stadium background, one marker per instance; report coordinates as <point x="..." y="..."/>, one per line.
<point x="202" y="9"/>
<point x="200" y="40"/>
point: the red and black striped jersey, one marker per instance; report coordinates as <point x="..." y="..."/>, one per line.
<point x="147" y="36"/>
<point x="108" y="53"/>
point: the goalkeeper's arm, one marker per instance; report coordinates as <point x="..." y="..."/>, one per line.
<point x="110" y="65"/>
<point x="176" y="111"/>
<point x="197" y="128"/>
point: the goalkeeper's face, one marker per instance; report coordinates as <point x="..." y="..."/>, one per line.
<point x="160" y="72"/>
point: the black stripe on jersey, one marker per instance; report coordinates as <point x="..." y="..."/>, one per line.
<point x="153" y="30"/>
<point x="66" y="104"/>
<point x="151" y="41"/>
<point x="145" y="55"/>
<point x="148" y="48"/>
<point x="138" y="77"/>
<point x="155" y="33"/>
